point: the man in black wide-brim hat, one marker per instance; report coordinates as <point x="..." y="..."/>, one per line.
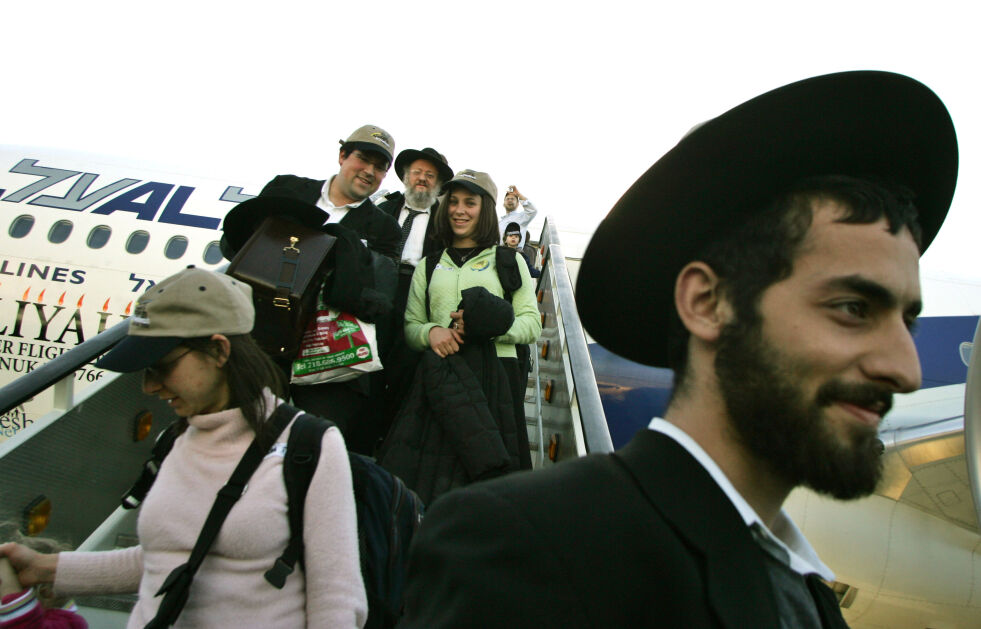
<point x="771" y="259"/>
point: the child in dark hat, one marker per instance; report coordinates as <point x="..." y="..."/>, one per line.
<point x="512" y="238"/>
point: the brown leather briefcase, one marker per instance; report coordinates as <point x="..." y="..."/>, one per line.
<point x="285" y="263"/>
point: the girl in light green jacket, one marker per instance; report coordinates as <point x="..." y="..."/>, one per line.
<point x="466" y="225"/>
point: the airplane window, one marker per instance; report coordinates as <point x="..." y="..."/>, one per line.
<point x="21" y="226"/>
<point x="137" y="241"/>
<point x="175" y="248"/>
<point x="60" y="232"/>
<point x="98" y="237"/>
<point x="212" y="253"/>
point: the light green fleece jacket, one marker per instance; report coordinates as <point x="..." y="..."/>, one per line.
<point x="447" y="284"/>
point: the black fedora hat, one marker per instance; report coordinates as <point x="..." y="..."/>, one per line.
<point x="863" y="124"/>
<point x="408" y="156"/>
<point x="243" y="219"/>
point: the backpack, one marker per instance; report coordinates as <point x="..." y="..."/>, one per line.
<point x="388" y="513"/>
<point x="504" y="261"/>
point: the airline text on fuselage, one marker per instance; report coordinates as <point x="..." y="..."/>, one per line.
<point x="143" y="198"/>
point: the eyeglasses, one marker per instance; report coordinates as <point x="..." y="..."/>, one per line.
<point x="161" y="370"/>
<point x="427" y="174"/>
<point x="378" y="162"/>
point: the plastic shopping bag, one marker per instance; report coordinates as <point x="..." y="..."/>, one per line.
<point x="336" y="346"/>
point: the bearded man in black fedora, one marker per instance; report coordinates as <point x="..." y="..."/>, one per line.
<point x="771" y="260"/>
<point x="423" y="174"/>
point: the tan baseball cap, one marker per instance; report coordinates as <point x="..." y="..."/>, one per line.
<point x="475" y="181"/>
<point x="371" y="138"/>
<point x="192" y="303"/>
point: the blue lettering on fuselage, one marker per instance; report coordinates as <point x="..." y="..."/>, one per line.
<point x="144" y="200"/>
<point x="172" y="213"/>
<point x="145" y="210"/>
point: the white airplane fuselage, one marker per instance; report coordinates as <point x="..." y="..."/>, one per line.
<point x="72" y="264"/>
<point x="82" y="239"/>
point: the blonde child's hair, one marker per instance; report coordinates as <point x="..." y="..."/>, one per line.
<point x="10" y="532"/>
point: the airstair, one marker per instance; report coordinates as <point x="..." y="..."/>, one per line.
<point x="81" y="457"/>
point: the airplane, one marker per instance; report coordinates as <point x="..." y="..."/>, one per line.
<point x="908" y="556"/>
<point x="84" y="237"/>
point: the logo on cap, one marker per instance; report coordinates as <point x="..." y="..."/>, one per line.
<point x="382" y="137"/>
<point x="468" y="176"/>
<point x="140" y="317"/>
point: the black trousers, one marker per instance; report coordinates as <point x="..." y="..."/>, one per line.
<point x="518" y="379"/>
<point x="355" y="406"/>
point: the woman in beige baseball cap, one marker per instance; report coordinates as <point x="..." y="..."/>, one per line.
<point x="470" y="305"/>
<point x="190" y="335"/>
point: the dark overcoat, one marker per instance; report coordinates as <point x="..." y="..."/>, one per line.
<point x="378" y="228"/>
<point x="640" y="538"/>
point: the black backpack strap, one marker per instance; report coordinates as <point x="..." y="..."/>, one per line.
<point x="431" y="261"/>
<point x="507" y="271"/>
<point x="176" y="587"/>
<point x="161" y="447"/>
<point x="302" y="455"/>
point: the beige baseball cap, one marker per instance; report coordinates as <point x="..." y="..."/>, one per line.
<point x="475" y="181"/>
<point x="371" y="138"/>
<point x="192" y="303"/>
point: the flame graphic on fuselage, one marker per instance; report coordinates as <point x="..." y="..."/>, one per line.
<point x="105" y="306"/>
<point x="129" y="306"/>
<point x="61" y="300"/>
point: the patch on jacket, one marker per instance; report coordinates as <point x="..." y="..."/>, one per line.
<point x="482" y="265"/>
<point x="278" y="449"/>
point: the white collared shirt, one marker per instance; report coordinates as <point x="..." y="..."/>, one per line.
<point x="802" y="557"/>
<point x="334" y="212"/>
<point x="412" y="252"/>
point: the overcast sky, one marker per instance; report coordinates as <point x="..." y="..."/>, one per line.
<point x="571" y="101"/>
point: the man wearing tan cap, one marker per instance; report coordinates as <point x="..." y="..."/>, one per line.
<point x="364" y="160"/>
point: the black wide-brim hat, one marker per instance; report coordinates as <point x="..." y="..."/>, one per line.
<point x="242" y="220"/>
<point x="864" y="124"/>
<point x="406" y="157"/>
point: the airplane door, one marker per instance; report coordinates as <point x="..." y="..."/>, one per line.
<point x="972" y="418"/>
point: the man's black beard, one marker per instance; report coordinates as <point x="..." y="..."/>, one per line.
<point x="420" y="200"/>
<point x="773" y="420"/>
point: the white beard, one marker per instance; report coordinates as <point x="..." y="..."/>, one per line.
<point x="421" y="199"/>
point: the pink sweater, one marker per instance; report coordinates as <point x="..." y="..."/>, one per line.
<point x="229" y="589"/>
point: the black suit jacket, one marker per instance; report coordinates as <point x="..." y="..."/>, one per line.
<point x="378" y="228"/>
<point x="640" y="538"/>
<point x="392" y="205"/>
